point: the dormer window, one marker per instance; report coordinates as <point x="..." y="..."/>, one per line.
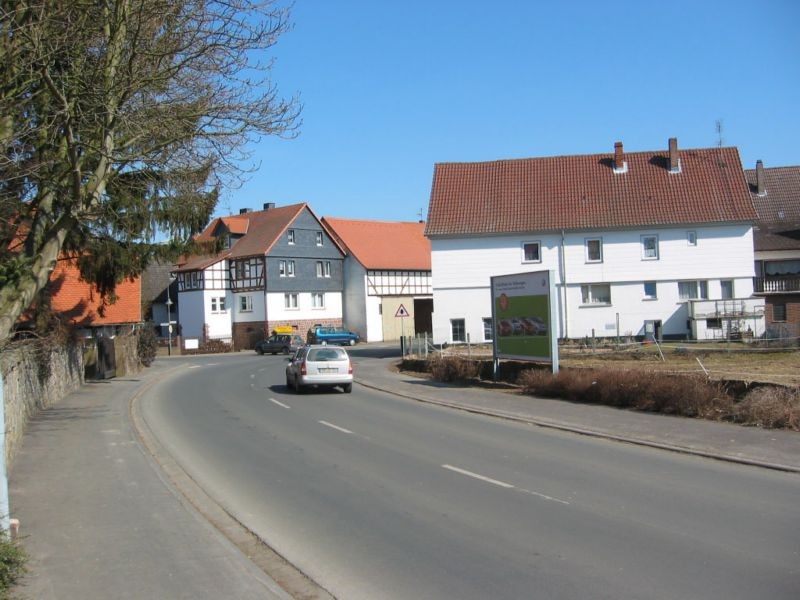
<point x="290" y="236"/>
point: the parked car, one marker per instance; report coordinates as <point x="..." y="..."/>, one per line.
<point x="332" y="335"/>
<point x="321" y="366"/>
<point x="281" y="342"/>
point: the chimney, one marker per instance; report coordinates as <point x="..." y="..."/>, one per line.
<point x="268" y="205"/>
<point x="761" y="188"/>
<point x="674" y="157"/>
<point x="244" y="211"/>
<point x="620" y="166"/>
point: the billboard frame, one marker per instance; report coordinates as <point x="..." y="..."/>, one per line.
<point x="531" y="292"/>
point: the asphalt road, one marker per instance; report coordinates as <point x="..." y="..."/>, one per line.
<point x="379" y="497"/>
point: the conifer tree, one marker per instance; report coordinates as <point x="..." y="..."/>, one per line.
<point x="120" y="120"/>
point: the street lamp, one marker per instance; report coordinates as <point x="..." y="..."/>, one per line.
<point x="169" y="316"/>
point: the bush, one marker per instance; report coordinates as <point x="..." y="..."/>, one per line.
<point x="688" y="396"/>
<point x="770" y="407"/>
<point x="12" y="563"/>
<point x="453" y="368"/>
<point x="147" y="346"/>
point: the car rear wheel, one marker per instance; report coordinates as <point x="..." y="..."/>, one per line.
<point x="348" y="387"/>
<point x="259" y="350"/>
<point x="352" y="342"/>
<point x="285" y="349"/>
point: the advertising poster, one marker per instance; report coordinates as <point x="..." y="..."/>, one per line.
<point x="523" y="315"/>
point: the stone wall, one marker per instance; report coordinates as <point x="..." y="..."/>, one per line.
<point x="35" y="377"/>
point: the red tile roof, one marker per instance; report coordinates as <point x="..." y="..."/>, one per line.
<point x="778" y="226"/>
<point x="384" y="244"/>
<point x="80" y="302"/>
<point x="584" y="192"/>
<point x="262" y="229"/>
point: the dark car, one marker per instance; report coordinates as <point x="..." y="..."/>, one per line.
<point x="281" y="342"/>
<point x="333" y="335"/>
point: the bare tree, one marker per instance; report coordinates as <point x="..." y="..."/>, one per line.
<point x="120" y="118"/>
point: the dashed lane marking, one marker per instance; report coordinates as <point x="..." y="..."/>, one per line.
<point x="279" y="403"/>
<point x="336" y="427"/>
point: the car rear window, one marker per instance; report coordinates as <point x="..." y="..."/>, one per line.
<point x="325" y="354"/>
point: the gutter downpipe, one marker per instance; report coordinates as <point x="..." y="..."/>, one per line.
<point x="563" y="274"/>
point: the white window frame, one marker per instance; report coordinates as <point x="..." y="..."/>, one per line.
<point x="463" y="323"/>
<point x="317" y="300"/>
<point x="700" y="291"/>
<point x="596" y="294"/>
<point x="217" y="305"/>
<point x="538" y="245"/>
<point x="323" y="268"/>
<point x="320" y="238"/>
<point x="291" y="301"/>
<point x="645" y="252"/>
<point x="488" y="327"/>
<point x="290" y="237"/>
<point x="654" y="295"/>
<point x="691" y="238"/>
<point x="722" y="289"/>
<point x="587" y="243"/>
<point x="245" y="304"/>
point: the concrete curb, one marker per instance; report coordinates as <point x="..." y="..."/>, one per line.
<point x="283" y="579"/>
<point x="570" y="428"/>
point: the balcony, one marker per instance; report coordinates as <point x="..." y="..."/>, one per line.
<point x="776" y="284"/>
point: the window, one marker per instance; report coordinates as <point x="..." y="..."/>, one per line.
<point x="245" y="304"/>
<point x="779" y="311"/>
<point x="691" y="238"/>
<point x="323" y="268"/>
<point x="241" y="269"/>
<point x="531" y="252"/>
<point x="286" y="268"/>
<point x="290" y="300"/>
<point x="596" y="293"/>
<point x="726" y="288"/>
<point x="458" y="330"/>
<point x="693" y="290"/>
<point x="218" y="304"/>
<point x="594" y="250"/>
<point x="290" y="236"/>
<point x="488" y="329"/>
<point x="713" y="323"/>
<point x="317" y="300"/>
<point x="649" y="247"/>
<point x="650" y="290"/>
<point x="319" y="238"/>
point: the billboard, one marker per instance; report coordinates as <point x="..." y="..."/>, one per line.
<point x="524" y="317"/>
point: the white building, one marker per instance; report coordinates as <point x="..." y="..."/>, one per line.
<point x="632" y="240"/>
<point x="387" y="273"/>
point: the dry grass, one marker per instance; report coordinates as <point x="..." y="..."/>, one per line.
<point x="770" y="407"/>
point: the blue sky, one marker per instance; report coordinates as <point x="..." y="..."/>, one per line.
<point x="391" y="88"/>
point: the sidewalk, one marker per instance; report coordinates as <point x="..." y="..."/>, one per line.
<point x="99" y="519"/>
<point x="723" y="441"/>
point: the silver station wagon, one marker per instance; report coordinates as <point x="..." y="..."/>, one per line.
<point x="321" y="366"/>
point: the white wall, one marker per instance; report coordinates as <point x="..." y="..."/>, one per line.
<point x="192" y="315"/>
<point x="277" y="311"/>
<point x="354" y="302"/>
<point x="462" y="269"/>
<point x="219" y="323"/>
<point x="374" y="318"/>
<point x="254" y="316"/>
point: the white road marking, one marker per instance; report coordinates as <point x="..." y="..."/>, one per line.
<point x="336" y="427"/>
<point x="544" y="496"/>
<point x="476" y="476"/>
<point x="503" y="484"/>
<point x="194" y="366"/>
<point x="252" y="376"/>
<point x="279" y="403"/>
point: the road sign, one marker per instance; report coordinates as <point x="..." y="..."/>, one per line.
<point x="401" y="312"/>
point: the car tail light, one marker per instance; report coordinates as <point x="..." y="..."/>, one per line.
<point x="303" y="370"/>
<point x="349" y="368"/>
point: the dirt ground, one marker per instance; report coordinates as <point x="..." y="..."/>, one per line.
<point x="737" y="361"/>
